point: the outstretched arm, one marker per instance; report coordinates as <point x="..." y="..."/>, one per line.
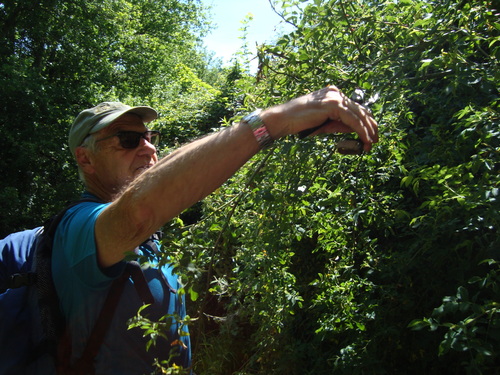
<point x="195" y="170"/>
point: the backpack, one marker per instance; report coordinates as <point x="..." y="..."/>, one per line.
<point x="33" y="333"/>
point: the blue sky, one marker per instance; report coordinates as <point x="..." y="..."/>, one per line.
<point x="227" y="16"/>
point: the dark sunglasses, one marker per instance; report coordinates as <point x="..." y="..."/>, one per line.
<point x="131" y="139"/>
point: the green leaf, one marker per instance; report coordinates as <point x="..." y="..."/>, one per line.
<point x="193" y="294"/>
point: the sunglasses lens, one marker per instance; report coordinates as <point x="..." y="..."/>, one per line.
<point x="129" y="139"/>
<point x="133" y="139"/>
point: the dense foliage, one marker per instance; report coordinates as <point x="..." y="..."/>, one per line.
<point x="306" y="261"/>
<point x="309" y="262"/>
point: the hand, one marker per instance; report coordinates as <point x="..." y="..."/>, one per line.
<point x="327" y="109"/>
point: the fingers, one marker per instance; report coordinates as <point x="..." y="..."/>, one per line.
<point x="352" y="115"/>
<point x="324" y="111"/>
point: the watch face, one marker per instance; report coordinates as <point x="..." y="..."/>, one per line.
<point x="253" y="119"/>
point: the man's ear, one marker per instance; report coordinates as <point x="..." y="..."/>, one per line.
<point x="82" y="155"/>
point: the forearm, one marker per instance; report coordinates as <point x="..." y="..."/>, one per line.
<point x="190" y="173"/>
<point x="175" y="183"/>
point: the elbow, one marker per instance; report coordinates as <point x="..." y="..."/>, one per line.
<point x="142" y="219"/>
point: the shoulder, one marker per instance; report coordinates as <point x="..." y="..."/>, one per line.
<point x="74" y="246"/>
<point x="76" y="228"/>
<point x="83" y="212"/>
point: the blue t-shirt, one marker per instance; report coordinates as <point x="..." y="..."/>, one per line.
<point x="82" y="287"/>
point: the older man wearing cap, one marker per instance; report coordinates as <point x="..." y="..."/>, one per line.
<point x="117" y="160"/>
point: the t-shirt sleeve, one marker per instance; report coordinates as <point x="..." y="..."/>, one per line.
<point x="75" y="252"/>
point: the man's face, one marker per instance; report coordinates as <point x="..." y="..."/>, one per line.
<point x="114" y="167"/>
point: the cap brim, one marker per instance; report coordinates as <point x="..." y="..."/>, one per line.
<point x="147" y="114"/>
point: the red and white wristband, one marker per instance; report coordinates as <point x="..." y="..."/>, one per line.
<point x="259" y="129"/>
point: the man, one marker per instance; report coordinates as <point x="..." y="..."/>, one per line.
<point x="117" y="160"/>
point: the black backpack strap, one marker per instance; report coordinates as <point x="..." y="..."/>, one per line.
<point x="18" y="280"/>
<point x="85" y="364"/>
<point x="51" y="317"/>
<point x="140" y="282"/>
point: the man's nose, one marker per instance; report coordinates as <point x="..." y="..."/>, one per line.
<point x="146" y="146"/>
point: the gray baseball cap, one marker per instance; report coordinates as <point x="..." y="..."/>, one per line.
<point x="102" y="115"/>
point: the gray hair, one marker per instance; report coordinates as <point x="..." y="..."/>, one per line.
<point x="89" y="143"/>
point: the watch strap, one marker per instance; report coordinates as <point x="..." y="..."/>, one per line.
<point x="259" y="129"/>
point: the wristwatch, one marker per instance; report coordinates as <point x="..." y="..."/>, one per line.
<point x="259" y="129"/>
